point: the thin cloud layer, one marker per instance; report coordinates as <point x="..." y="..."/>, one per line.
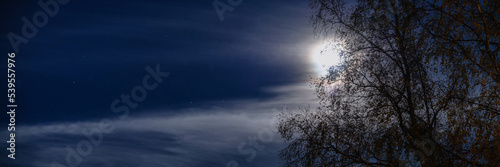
<point x="188" y="137"/>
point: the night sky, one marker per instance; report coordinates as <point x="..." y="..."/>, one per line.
<point x="226" y="80"/>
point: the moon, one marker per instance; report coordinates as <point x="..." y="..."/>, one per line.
<point x="323" y="56"/>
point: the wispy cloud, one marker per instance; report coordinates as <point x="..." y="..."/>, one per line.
<point x="187" y="137"/>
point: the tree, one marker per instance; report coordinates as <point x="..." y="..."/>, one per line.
<point x="401" y="97"/>
<point x="468" y="33"/>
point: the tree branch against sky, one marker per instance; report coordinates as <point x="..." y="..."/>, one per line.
<point x="418" y="85"/>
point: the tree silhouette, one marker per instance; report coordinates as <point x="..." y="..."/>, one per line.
<point x="418" y="85"/>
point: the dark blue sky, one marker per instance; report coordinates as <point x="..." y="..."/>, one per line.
<point x="91" y="52"/>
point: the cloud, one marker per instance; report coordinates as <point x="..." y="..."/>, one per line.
<point x="186" y="137"/>
<point x="105" y="50"/>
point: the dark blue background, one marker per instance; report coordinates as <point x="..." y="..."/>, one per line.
<point x="93" y="51"/>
